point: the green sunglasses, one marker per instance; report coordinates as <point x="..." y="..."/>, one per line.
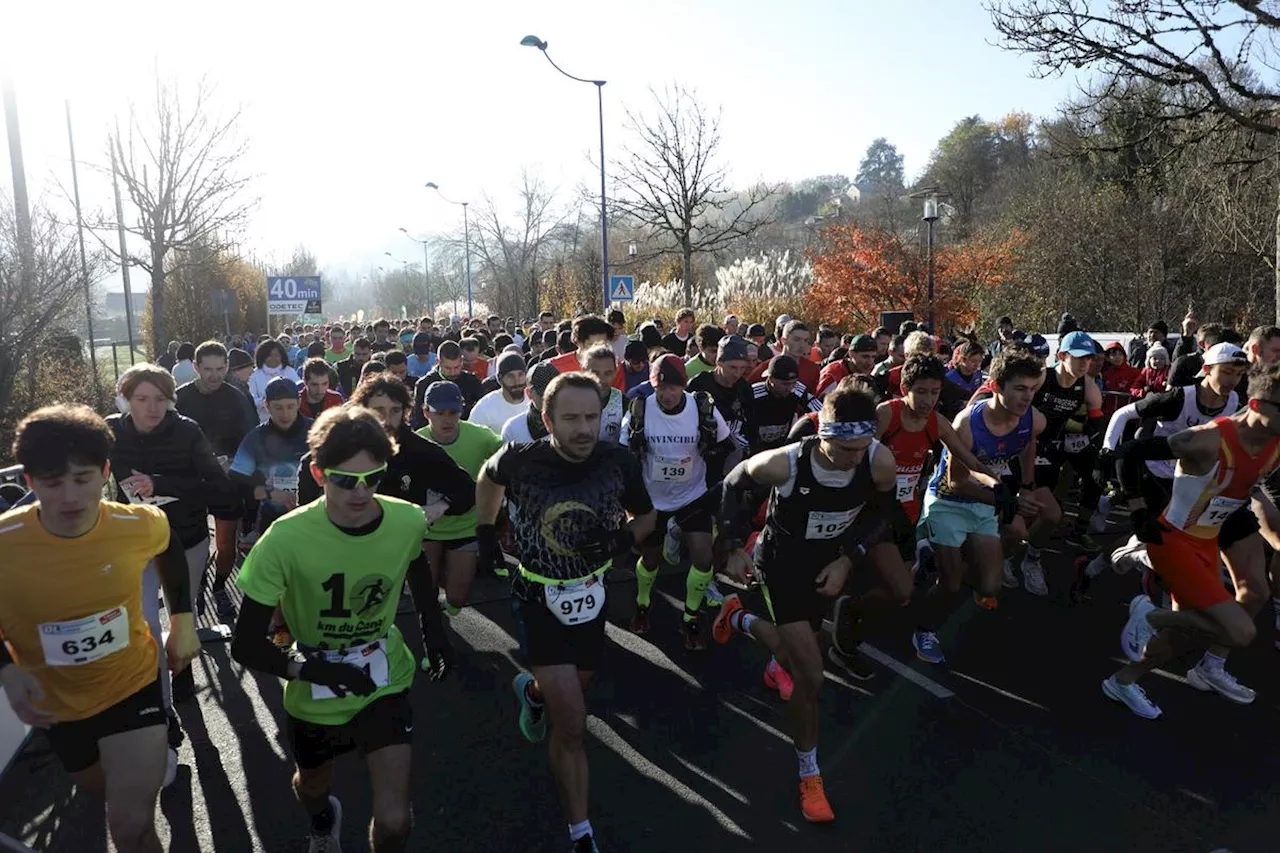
<point x="350" y="479"/>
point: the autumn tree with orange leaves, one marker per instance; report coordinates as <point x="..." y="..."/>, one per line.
<point x="859" y="272"/>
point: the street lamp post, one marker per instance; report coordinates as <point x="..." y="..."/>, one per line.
<point x="534" y="41"/>
<point x="930" y="217"/>
<point x="466" y="240"/>
<point x="426" y="262"/>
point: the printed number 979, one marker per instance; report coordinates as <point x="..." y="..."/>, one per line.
<point x="568" y="607"/>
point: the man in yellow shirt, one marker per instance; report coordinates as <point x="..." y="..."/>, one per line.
<point x="78" y="659"/>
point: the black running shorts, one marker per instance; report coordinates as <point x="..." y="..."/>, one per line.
<point x="386" y="721"/>
<point x="548" y="642"/>
<point x="76" y="743"/>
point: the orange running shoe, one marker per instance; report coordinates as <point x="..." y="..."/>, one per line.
<point x="986" y="602"/>
<point x="722" y="628"/>
<point x="777" y="678"/>
<point x="813" y="801"/>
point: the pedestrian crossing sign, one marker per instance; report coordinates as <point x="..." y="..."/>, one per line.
<point x="621" y="288"/>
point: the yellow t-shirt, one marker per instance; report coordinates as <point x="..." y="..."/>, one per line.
<point x="71" y="609"/>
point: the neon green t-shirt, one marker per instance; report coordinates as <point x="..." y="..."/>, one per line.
<point x="335" y="357"/>
<point x="338" y="591"/>
<point x="470" y="449"/>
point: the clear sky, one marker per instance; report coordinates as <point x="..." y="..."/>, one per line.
<point x="349" y="108"/>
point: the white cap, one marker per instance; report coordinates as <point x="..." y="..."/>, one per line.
<point x="1224" y="353"/>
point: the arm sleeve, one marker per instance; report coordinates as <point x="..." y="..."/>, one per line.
<point x="450" y="479"/>
<point x="635" y="497"/>
<point x="1185" y="346"/>
<point x="1115" y="428"/>
<point x="250" y="644"/>
<point x="308" y="489"/>
<point x="1161" y="406"/>
<point x="738" y="501"/>
<point x="171" y="565"/>
<point x="1133" y="454"/>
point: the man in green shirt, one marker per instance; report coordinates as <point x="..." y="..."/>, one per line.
<point x="451" y="540"/>
<point x="335" y="566"/>
<point x="337" y="350"/>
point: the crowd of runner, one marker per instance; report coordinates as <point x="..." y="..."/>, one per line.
<point x="343" y="464"/>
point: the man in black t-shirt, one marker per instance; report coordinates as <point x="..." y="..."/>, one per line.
<point x="677" y="340"/>
<point x="777" y="400"/>
<point x="732" y="394"/>
<point x="569" y="497"/>
<point x="448" y="366"/>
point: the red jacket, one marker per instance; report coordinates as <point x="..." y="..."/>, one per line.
<point x="1117" y="380"/>
<point x="1150" y="381"/>
<point x="332" y="400"/>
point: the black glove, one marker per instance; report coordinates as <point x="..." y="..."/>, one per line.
<point x="1147" y="526"/>
<point x="1006" y="503"/>
<point x="489" y="550"/>
<point x="599" y="544"/>
<point x="341" y="678"/>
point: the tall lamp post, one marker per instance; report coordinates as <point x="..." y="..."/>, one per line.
<point x="426" y="282"/>
<point x="931" y="196"/>
<point x="534" y="41"/>
<point x="466" y="239"/>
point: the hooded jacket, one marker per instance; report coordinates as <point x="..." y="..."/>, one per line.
<point x="180" y="462"/>
<point x="1117" y="379"/>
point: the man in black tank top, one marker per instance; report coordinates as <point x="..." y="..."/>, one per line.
<point x="832" y="501"/>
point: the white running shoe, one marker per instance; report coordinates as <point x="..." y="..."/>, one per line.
<point x="1204" y="678"/>
<point x="671" y="544"/>
<point x="1137" y="631"/>
<point x="170" y="767"/>
<point x="328" y="843"/>
<point x="1098" y="523"/>
<point x="1008" y="579"/>
<point x="1033" y="576"/>
<point x="1132" y="696"/>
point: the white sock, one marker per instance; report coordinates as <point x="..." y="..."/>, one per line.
<point x="808" y="763"/>
<point x="579" y="830"/>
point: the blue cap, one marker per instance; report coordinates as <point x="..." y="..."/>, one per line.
<point x="444" y="396"/>
<point x="1078" y="344"/>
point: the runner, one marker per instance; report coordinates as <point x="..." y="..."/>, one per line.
<point x="965" y="508"/>
<point x="1066" y="388"/>
<point x="727" y="386"/>
<point x="680" y="440"/>
<point x="529" y="426"/>
<point x="225" y="417"/>
<point x="797" y="342"/>
<point x="570" y="498"/>
<point x="587" y="331"/>
<point x="448" y="369"/>
<point x="600" y="362"/>
<point x="1218" y="467"/>
<point x="336" y="567"/>
<point x="422" y="473"/>
<point x="316" y="396"/>
<point x="497" y="407"/>
<point x="266" y="463"/>
<point x="839" y="490"/>
<point x="676" y="341"/>
<point x="705" y="340"/>
<point x="269" y="358"/>
<point x="349" y="367"/>
<point x="777" y="400"/>
<point x="859" y="362"/>
<point x="451" y="541"/>
<point x="77" y="658"/>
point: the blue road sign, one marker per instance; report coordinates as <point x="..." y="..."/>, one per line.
<point x="293" y="294"/>
<point x="621" y="288"/>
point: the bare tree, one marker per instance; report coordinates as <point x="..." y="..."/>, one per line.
<point x="178" y="166"/>
<point x="33" y="306"/>
<point x="509" y="249"/>
<point x="672" y="182"/>
<point x="1203" y="52"/>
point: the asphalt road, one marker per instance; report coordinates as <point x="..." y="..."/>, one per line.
<point x="1009" y="747"/>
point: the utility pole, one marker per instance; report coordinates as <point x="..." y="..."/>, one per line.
<point x="124" y="254"/>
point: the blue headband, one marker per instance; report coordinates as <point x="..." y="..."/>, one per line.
<point x="847" y="429"/>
